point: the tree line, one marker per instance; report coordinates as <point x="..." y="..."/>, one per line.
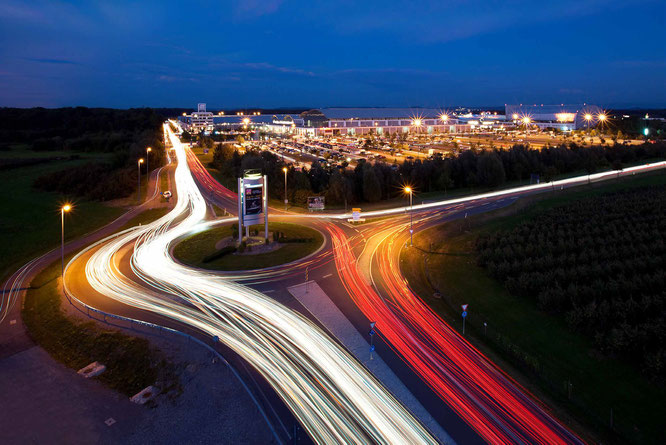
<point x="124" y="134"/>
<point x="374" y="181"/>
<point x="597" y="262"/>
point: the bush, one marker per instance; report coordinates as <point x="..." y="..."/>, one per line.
<point x="219" y="254"/>
<point x="599" y="264"/>
<point x="285" y="240"/>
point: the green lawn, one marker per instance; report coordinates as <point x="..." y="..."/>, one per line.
<point x="30" y="218"/>
<point x="538" y="349"/>
<point x="146" y="217"/>
<point x="132" y="364"/>
<point x="194" y="249"/>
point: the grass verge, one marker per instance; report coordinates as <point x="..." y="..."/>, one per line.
<point x="194" y="249"/>
<point x="535" y="348"/>
<point x="30" y="218"/>
<point x="146" y="217"/>
<point x="132" y="364"/>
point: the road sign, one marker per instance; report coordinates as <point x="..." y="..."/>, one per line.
<point x="464" y="307"/>
<point x="464" y="314"/>
<point x="372" y="348"/>
<point x="372" y="332"/>
<point x="372" y="324"/>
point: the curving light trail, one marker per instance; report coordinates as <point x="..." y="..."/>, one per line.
<point x="487" y="399"/>
<point x="334" y="397"/>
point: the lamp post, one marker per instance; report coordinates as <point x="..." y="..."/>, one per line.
<point x="63" y="209"/>
<point x="148" y="150"/>
<point x="138" y="192"/>
<point x="588" y="118"/>
<point x="411" y="226"/>
<point x="286" y="201"/>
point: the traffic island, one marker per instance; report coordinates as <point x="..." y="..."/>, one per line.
<point x="218" y="248"/>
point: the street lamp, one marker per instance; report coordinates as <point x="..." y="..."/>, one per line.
<point x="588" y="118"/>
<point x="286" y="201"/>
<point x="138" y="192"/>
<point x="148" y="150"/>
<point x="63" y="209"/>
<point x="411" y="226"/>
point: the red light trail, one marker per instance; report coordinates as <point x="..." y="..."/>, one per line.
<point x="494" y="405"/>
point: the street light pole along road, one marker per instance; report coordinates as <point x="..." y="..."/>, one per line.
<point x="286" y="201"/>
<point x="411" y="211"/>
<point x="138" y="192"/>
<point x="148" y="150"/>
<point x="63" y="209"/>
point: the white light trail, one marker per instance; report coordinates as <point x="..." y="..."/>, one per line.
<point x="333" y="396"/>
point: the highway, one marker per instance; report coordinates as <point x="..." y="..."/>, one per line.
<point x="334" y="398"/>
<point x="489" y="401"/>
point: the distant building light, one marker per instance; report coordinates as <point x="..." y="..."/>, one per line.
<point x="565" y="117"/>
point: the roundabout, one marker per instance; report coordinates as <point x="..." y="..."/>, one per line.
<point x="217" y="248"/>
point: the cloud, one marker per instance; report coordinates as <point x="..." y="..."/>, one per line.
<point x="640" y="63"/>
<point x="441" y="22"/>
<point x="51" y="61"/>
<point x="255" y="8"/>
<point x="281" y="69"/>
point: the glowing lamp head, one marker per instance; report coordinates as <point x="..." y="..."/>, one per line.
<point x="514" y="116"/>
<point x="526" y="120"/>
<point x="588" y="117"/>
<point x="140" y="160"/>
<point x="408" y="190"/>
<point x="444" y="117"/>
<point x="284" y="169"/>
<point x="66" y="207"/>
<point x="416" y="122"/>
<point x="246" y="121"/>
<point x="149" y="149"/>
<point x="602" y="117"/>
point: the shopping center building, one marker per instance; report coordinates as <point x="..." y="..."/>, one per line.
<point x="562" y="117"/>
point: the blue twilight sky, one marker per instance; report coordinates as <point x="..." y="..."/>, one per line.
<point x="270" y="53"/>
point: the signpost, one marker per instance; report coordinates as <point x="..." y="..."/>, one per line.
<point x="464" y="315"/>
<point x="356" y="215"/>
<point x="252" y="202"/>
<point x="316" y="203"/>
<point x="372" y="334"/>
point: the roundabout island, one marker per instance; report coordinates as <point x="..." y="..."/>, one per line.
<point x="218" y="248"/>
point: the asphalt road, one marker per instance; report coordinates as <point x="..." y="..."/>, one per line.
<point x="326" y="269"/>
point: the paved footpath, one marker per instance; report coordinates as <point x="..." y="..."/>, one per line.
<point x="323" y="309"/>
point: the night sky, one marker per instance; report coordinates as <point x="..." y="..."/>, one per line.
<point x="271" y="53"/>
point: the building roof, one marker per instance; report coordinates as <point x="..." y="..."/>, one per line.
<point x="380" y="113"/>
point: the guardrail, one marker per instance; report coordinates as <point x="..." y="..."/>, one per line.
<point x="86" y="310"/>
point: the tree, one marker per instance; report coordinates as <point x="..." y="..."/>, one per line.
<point x="372" y="188"/>
<point x="339" y="189"/>
<point x="490" y="170"/>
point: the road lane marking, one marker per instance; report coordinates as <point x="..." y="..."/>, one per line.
<point x="326" y="276"/>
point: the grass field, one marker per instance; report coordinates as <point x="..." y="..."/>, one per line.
<point x="146" y="217"/>
<point x="131" y="362"/>
<point x="537" y="349"/>
<point x="194" y="249"/>
<point x="30" y="218"/>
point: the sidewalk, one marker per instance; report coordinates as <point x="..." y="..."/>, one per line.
<point x="328" y="314"/>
